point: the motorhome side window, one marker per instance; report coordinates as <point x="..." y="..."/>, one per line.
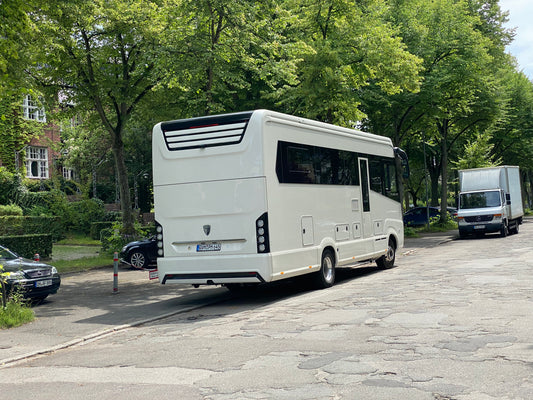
<point x="383" y="177"/>
<point x="299" y="163"/>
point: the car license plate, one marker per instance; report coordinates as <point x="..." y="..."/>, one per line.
<point x="44" y="283"/>
<point x="208" y="247"/>
<point x="153" y="274"/>
<point x="479" y="226"/>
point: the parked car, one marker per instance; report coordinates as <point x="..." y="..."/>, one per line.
<point x="35" y="279"/>
<point x="418" y="216"/>
<point x="140" y="253"/>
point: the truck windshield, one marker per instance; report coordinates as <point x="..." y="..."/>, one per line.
<point x="480" y="200"/>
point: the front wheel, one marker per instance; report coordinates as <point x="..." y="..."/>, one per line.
<point x="138" y="259"/>
<point x="326" y="276"/>
<point x="386" y="261"/>
<point x="504" y="231"/>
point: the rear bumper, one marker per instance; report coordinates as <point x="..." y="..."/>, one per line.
<point x="208" y="270"/>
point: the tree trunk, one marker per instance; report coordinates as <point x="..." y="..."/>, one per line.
<point x="124" y="188"/>
<point x="444" y="170"/>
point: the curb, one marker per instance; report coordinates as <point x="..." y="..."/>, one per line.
<point x="100" y="334"/>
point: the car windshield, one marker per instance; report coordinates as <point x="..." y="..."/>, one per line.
<point x="5" y="254"/>
<point x="480" y="200"/>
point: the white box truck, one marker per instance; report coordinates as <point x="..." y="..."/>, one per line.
<point x="490" y="200"/>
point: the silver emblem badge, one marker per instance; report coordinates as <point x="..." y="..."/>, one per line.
<point x="207" y="229"/>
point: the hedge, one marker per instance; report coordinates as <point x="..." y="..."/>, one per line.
<point x="27" y="245"/>
<point x="96" y="228"/>
<point x="17" y="225"/>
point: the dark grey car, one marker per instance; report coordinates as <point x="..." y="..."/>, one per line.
<point x="35" y="280"/>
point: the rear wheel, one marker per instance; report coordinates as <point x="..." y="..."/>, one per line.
<point x="515" y="228"/>
<point x="387" y="260"/>
<point x="326" y="276"/>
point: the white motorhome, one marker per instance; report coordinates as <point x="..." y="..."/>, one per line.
<point x="261" y="196"/>
<point x="490" y="200"/>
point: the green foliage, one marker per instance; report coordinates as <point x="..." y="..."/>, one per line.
<point x="10" y="209"/>
<point x="114" y="238"/>
<point x="13" y="310"/>
<point x="10" y="186"/>
<point x="15" y="131"/>
<point x="27" y="245"/>
<point x="97" y="227"/>
<point x="26" y="225"/>
<point x="477" y="153"/>
<point x="83" y="213"/>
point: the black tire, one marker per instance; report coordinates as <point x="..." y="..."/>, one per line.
<point x="326" y="276"/>
<point x="504" y="231"/>
<point x="386" y="261"/>
<point x="138" y="259"/>
<point x="463" y="234"/>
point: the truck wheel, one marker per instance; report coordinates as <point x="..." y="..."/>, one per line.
<point x="326" y="276"/>
<point x="387" y="261"/>
<point x="515" y="228"/>
<point x="504" y="231"/>
<point x="462" y="234"/>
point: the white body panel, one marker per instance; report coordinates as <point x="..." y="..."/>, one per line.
<point x="212" y="197"/>
<point x="501" y="183"/>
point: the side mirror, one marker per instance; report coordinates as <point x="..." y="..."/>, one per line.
<point x="404" y="161"/>
<point x="508" y="199"/>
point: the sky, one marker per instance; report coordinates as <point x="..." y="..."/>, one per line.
<point x="520" y="15"/>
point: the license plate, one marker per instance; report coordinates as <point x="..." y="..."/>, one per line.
<point x="44" y="283"/>
<point x="153" y="274"/>
<point x="208" y="247"/>
<point x="479" y="226"/>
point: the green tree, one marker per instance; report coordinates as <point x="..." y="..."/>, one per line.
<point x="462" y="48"/>
<point x="352" y="46"/>
<point x="101" y="56"/>
<point x="477" y="153"/>
<point x="15" y="26"/>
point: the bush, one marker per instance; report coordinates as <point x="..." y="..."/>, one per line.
<point x="113" y="239"/>
<point x="81" y="214"/>
<point x="13" y="310"/>
<point x="27" y="245"/>
<point x="97" y="227"/>
<point x="11" y="209"/>
<point x="16" y="225"/>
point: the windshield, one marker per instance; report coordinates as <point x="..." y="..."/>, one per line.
<point x="5" y="254"/>
<point x="480" y="200"/>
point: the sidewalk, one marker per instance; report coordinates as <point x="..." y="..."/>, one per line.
<point x="86" y="308"/>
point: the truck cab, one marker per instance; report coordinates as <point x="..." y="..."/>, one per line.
<point x="482" y="212"/>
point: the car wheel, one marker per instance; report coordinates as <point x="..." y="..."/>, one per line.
<point x="326" y="276"/>
<point x="387" y="261"/>
<point x="138" y="259"/>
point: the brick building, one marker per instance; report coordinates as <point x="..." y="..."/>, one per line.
<point x="41" y="152"/>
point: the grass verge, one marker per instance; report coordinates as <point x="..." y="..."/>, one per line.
<point x="15" y="314"/>
<point x="82" y="264"/>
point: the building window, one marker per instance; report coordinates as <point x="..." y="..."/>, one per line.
<point x="37" y="162"/>
<point x="31" y="110"/>
<point x="68" y="173"/>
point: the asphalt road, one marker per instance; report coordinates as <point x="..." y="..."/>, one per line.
<point x="453" y="320"/>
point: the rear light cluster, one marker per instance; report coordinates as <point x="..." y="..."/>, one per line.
<point x="159" y="238"/>
<point x="261" y="230"/>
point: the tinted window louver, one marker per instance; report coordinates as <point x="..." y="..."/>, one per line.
<point x="205" y="132"/>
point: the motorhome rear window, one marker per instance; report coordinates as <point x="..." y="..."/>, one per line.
<point x="195" y="133"/>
